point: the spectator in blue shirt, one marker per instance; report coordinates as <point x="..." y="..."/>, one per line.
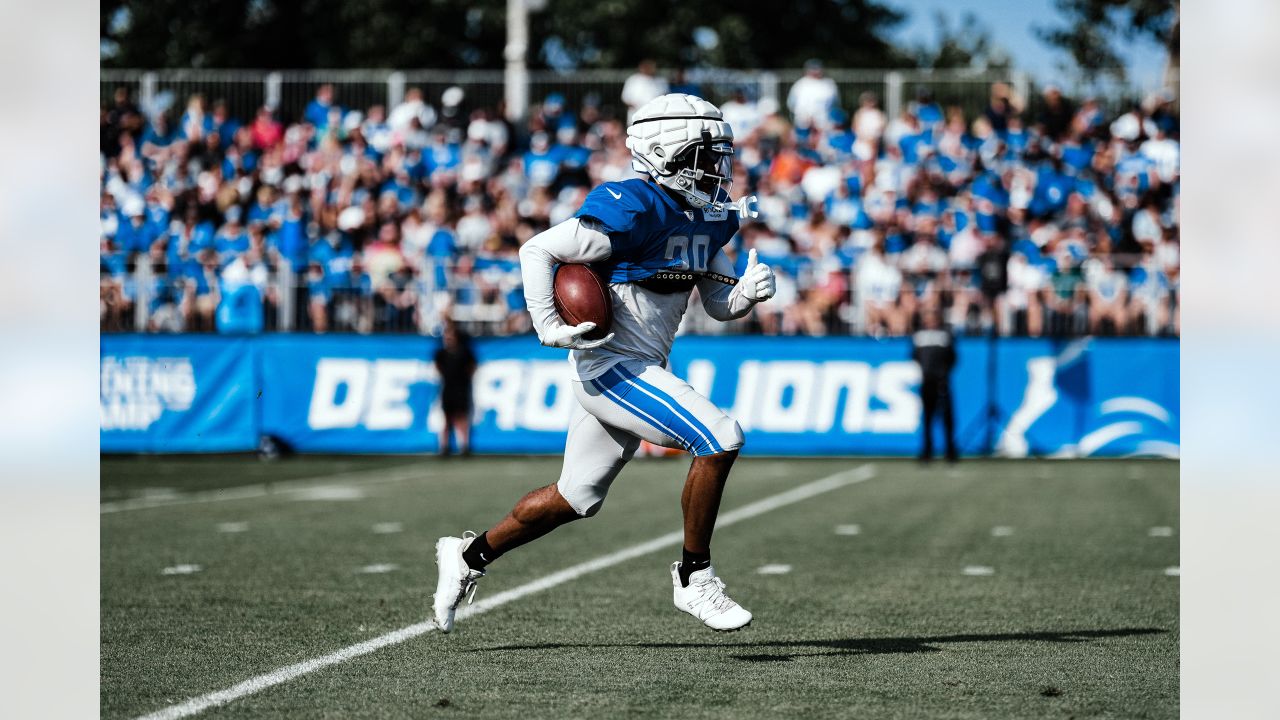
<point x="134" y="234"/>
<point x="291" y="242"/>
<point x="231" y="239"/>
<point x="317" y="112"/>
<point x="541" y="163"/>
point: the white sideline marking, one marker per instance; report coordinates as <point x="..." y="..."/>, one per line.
<point x="387" y="528"/>
<point x="233" y="527"/>
<point x="1001" y="531"/>
<point x="773" y="569"/>
<point x="183" y="569"/>
<point x="1160" y="532"/>
<point x="1174" y="571"/>
<point x="248" y="492"/>
<point x="978" y="570"/>
<point x="257" y="684"/>
<point x="848" y="529"/>
<point x="329" y="492"/>
<point x="378" y="568"/>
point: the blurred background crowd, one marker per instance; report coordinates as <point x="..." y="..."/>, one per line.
<point x="1035" y="216"/>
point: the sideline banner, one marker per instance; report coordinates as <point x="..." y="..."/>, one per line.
<point x="177" y="393"/>
<point x="793" y="396"/>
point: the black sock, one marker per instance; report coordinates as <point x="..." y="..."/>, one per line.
<point x="691" y="563"/>
<point x="478" y="554"/>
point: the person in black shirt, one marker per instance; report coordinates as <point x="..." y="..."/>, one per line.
<point x="456" y="364"/>
<point x="933" y="347"/>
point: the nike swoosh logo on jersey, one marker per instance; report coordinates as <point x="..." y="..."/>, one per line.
<point x="616" y="196"/>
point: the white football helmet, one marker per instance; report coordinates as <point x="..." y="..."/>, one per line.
<point x="684" y="144"/>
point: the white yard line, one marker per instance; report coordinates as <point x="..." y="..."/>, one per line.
<point x="249" y="492"/>
<point x="257" y="684"/>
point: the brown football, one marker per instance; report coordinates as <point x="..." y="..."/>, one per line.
<point x="581" y="296"/>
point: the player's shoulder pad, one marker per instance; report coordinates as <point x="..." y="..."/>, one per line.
<point x="616" y="204"/>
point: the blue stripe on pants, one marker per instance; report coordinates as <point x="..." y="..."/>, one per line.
<point x="656" y="409"/>
<point x="682" y="412"/>
<point x="610" y="391"/>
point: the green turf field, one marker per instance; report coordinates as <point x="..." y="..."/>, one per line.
<point x="988" y="590"/>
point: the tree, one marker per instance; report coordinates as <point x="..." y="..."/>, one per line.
<point x="751" y="33"/>
<point x="286" y="34"/>
<point x="1092" y="25"/>
<point x="967" y="46"/>
<point x="280" y="34"/>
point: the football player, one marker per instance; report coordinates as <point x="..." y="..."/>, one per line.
<point x="654" y="239"/>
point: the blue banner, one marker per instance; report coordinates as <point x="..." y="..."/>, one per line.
<point x="177" y="393"/>
<point x="793" y="396"/>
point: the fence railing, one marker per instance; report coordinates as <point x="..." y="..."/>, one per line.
<point x="491" y="302"/>
<point x="288" y="92"/>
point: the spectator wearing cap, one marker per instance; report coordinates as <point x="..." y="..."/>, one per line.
<point x="134" y="234"/>
<point x="812" y="97"/>
<point x="451" y="109"/>
<point x="1132" y="126"/>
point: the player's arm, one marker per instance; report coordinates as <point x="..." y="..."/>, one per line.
<point x="577" y="240"/>
<point x="724" y="302"/>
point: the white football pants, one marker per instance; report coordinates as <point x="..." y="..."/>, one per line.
<point x="633" y="401"/>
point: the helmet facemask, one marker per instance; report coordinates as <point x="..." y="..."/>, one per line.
<point x="703" y="172"/>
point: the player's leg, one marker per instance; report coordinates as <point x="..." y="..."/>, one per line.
<point x="462" y="431"/>
<point x="594" y="455"/>
<point x="948" y="421"/>
<point x="445" y="428"/>
<point x="929" y="406"/>
<point x="700" y="504"/>
<point x="663" y="409"/>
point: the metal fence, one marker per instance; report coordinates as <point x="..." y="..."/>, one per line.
<point x="288" y="92"/>
<point x="490" y="302"/>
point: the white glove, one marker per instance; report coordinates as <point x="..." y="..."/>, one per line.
<point x="757" y="283"/>
<point x="570" y="336"/>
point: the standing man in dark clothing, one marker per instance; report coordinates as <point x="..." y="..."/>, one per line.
<point x="933" y="347"/>
<point x="456" y="364"/>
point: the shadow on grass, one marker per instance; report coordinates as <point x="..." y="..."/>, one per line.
<point x="854" y="646"/>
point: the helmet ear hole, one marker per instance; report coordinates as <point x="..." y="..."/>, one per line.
<point x="659" y="152"/>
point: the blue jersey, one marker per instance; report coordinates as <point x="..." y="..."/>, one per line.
<point x="650" y="231"/>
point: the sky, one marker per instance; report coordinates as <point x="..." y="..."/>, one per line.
<point x="1011" y="23"/>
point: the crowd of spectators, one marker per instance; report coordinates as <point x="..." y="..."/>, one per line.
<point x="1061" y="221"/>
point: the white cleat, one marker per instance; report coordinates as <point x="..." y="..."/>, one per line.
<point x="705" y="600"/>
<point x="454" y="581"/>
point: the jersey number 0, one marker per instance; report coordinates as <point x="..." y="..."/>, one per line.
<point x="688" y="257"/>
